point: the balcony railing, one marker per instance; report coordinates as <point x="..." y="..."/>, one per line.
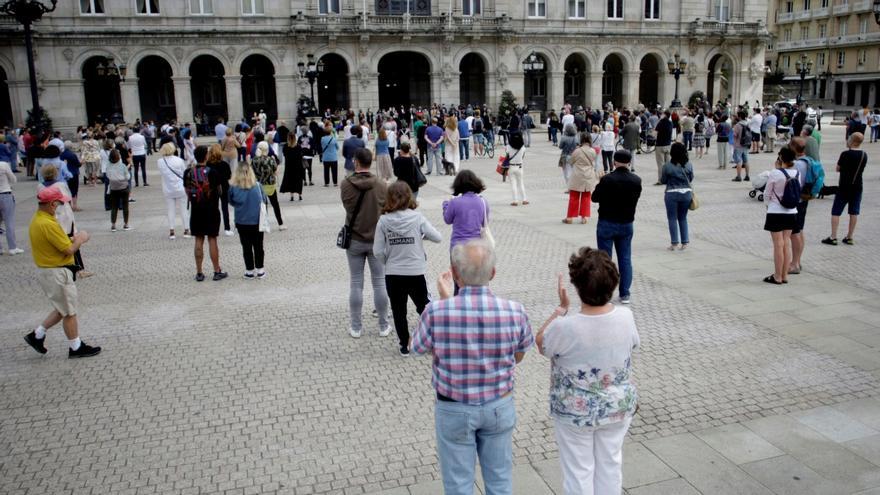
<point x="801" y="44"/>
<point x="802" y="14"/>
<point x="862" y="6"/>
<point x="820" y="12"/>
<point x="841" y="8"/>
<point x="735" y="29"/>
<point x="785" y="17"/>
<point x="397" y="23"/>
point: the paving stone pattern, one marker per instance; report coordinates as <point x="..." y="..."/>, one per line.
<point x="256" y="387"/>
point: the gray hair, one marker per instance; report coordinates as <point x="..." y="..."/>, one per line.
<point x="808" y="130"/>
<point x="569" y="130"/>
<point x="474" y="262"/>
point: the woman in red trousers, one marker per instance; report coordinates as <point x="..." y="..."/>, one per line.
<point x="584" y="177"/>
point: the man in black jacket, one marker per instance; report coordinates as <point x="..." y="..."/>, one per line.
<point x="618" y="194"/>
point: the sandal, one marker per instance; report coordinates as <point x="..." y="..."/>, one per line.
<point x="830" y="241"/>
<point x="566" y="220"/>
<point x="584" y="220"/>
<point x="772" y="280"/>
<point x="848" y="241"/>
<point x="514" y="204"/>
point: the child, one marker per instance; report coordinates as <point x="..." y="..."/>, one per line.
<point x="699" y="139"/>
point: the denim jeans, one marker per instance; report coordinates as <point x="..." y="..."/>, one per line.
<point x="620" y="236"/>
<point x="688" y="139"/>
<point x="723" y="154"/>
<point x="7" y="213"/>
<point x="358" y="253"/>
<point x="139" y="162"/>
<point x="435" y="157"/>
<point x="677" y="206"/>
<point x="464" y="151"/>
<point x="465" y="432"/>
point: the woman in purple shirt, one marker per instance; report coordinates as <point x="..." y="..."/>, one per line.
<point x="466" y="211"/>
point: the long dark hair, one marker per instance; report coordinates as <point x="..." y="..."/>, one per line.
<point x="678" y="154"/>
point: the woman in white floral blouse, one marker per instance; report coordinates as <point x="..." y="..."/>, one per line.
<point x="592" y="399"/>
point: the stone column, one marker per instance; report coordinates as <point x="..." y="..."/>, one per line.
<point x="183" y="98"/>
<point x="872" y="91"/>
<point x="234" y="105"/>
<point x="450" y="87"/>
<point x="595" y="84"/>
<point x="131" y="102"/>
<point x="285" y="95"/>
<point x="516" y="83"/>
<point x="556" y="90"/>
<point x="367" y="90"/>
<point x="631" y="88"/>
<point x="437" y="93"/>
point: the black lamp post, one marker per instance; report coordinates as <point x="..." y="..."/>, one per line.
<point x="311" y="70"/>
<point x="676" y="66"/>
<point x="877" y="11"/>
<point x="803" y="66"/>
<point x="27" y="12"/>
<point x="109" y="68"/>
<point x="532" y="65"/>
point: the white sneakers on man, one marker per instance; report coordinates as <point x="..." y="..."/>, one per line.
<point x="15" y="251"/>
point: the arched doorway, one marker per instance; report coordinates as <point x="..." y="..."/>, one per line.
<point x="404" y="80"/>
<point x="103" y="98"/>
<point x="208" y="88"/>
<point x="156" y="89"/>
<point x="333" y="83"/>
<point x="258" y="87"/>
<point x="649" y="81"/>
<point x="6" y="118"/>
<point x="536" y="82"/>
<point x="612" y="80"/>
<point x="575" y="80"/>
<point x="472" y="81"/>
<point x="719" y="87"/>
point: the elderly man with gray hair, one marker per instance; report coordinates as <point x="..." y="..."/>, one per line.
<point x="477" y="339"/>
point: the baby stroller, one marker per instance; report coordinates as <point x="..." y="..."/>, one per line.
<point x="759" y="182"/>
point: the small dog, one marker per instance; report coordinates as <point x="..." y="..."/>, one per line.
<point x="448" y="167"/>
<point x="827" y="191"/>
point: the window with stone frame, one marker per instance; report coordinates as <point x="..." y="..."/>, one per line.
<point x="252" y="7"/>
<point x="863" y="24"/>
<point x="577" y="9"/>
<point x="805" y="32"/>
<point x="652" y="9"/>
<point x="789" y="6"/>
<point x="721" y="10"/>
<point x="537" y="8"/>
<point x="148" y="7"/>
<point x="807" y="4"/>
<point x="841" y="58"/>
<point x="201" y="7"/>
<point x="471" y="7"/>
<point x="615" y="9"/>
<point x="91" y="6"/>
<point x="328" y="7"/>
<point x="823" y="31"/>
<point x="841" y="28"/>
<point x="820" y="59"/>
<point x="824" y="4"/>
<point x="862" y="56"/>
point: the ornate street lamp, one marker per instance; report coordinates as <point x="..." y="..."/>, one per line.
<point x="109" y="68"/>
<point x="676" y="66"/>
<point x="311" y="69"/>
<point x="532" y="65"/>
<point x="877" y="11"/>
<point x="804" y="66"/>
<point x="27" y="12"/>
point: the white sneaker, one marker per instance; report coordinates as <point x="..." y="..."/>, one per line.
<point x="16" y="251"/>
<point x="355" y="335"/>
<point x="228" y="233"/>
<point x="625" y="300"/>
<point x="282" y="227"/>
<point x="384" y="332"/>
<point x="172" y="237"/>
<point x="261" y="274"/>
<point x="374" y="314"/>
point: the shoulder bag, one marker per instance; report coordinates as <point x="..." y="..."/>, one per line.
<point x="485" y="233"/>
<point x="695" y="203"/>
<point x="264" y="212"/>
<point x="420" y="178"/>
<point x="343" y="239"/>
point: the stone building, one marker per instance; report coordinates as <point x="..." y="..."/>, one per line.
<point x="230" y="58"/>
<point x="839" y="37"/>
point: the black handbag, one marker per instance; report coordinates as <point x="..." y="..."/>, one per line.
<point x="421" y="180"/>
<point x="343" y="239"/>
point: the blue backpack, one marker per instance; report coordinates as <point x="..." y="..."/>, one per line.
<point x="814" y="179"/>
<point x="791" y="195"/>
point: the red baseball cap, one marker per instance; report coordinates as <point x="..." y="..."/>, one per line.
<point x="50" y="194"/>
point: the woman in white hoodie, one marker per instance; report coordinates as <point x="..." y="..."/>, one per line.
<point x="398" y="245"/>
<point x="172" y="168"/>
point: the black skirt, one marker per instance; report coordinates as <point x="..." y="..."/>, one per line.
<point x="777" y="222"/>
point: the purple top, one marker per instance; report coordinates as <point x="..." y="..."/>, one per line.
<point x="434" y="133"/>
<point x="465" y="214"/>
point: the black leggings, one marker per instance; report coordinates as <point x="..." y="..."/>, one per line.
<point x="399" y="288"/>
<point x="139" y="161"/>
<point x="224" y="207"/>
<point x="331" y="168"/>
<point x="117" y="198"/>
<point x="276" y="207"/>
<point x="252" y="245"/>
<point x="307" y="165"/>
<point x="608" y="160"/>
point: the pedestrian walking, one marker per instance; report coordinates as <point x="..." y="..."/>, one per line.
<point x="53" y="253"/>
<point x="7" y="206"/>
<point x="266" y="170"/>
<point x="119" y="176"/>
<point x="515" y="152"/>
<point x="398" y="244"/>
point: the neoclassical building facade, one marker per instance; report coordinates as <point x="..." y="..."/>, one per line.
<point x="188" y="59"/>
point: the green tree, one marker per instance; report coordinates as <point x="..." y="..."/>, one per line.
<point x="507" y="108"/>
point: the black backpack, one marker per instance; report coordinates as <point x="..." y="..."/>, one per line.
<point x="791" y="195"/>
<point x="745" y="136"/>
<point x="478" y="126"/>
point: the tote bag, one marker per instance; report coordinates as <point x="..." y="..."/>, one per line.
<point x="485" y="232"/>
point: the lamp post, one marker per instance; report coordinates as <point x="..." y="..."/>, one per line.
<point x="109" y="68"/>
<point x="311" y="69"/>
<point x="877" y="11"/>
<point x="531" y="66"/>
<point x="27" y="12"/>
<point x="676" y="67"/>
<point x="803" y="66"/>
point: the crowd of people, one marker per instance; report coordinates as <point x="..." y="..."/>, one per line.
<point x="592" y="396"/>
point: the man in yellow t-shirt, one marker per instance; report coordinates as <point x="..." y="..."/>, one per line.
<point x="53" y="254"/>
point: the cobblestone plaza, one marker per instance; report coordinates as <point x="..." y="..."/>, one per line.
<point x="245" y="386"/>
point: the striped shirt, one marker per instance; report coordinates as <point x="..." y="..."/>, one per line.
<point x="474" y="337"/>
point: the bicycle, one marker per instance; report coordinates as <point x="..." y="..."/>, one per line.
<point x="646" y="144"/>
<point x="488" y="148"/>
